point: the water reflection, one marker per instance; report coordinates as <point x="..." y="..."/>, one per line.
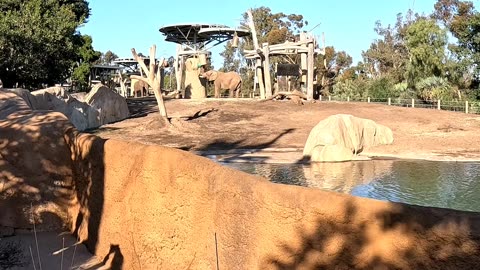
<point x="439" y="184"/>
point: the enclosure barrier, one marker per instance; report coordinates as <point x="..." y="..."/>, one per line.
<point x="456" y="106"/>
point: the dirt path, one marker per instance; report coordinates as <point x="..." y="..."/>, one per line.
<point x="248" y="124"/>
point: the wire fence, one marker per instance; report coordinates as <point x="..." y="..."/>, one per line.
<point x="456" y="106"/>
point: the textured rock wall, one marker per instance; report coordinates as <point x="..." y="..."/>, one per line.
<point x="160" y="208"/>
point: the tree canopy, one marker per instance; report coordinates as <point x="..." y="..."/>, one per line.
<point x="40" y="43"/>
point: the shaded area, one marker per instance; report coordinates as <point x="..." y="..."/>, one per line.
<point x="240" y="144"/>
<point x="89" y="171"/>
<point x="403" y="237"/>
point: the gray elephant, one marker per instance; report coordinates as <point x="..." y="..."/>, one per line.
<point x="224" y="80"/>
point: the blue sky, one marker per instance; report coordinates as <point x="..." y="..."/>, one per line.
<point x="348" y="24"/>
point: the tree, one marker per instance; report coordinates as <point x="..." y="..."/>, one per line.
<point x="331" y="65"/>
<point x="388" y="56"/>
<point x="39" y="40"/>
<point x="86" y="56"/>
<point x="153" y="79"/>
<point x="463" y="22"/>
<point x="108" y="57"/>
<point x="426" y="42"/>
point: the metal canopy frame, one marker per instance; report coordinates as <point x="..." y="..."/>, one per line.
<point x="197" y="36"/>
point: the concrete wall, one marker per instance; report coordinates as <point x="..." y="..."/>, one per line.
<point x="160" y="208"/>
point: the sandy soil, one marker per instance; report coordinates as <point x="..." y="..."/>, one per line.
<point x="230" y="124"/>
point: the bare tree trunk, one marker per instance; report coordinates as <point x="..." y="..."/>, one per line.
<point x="153" y="79"/>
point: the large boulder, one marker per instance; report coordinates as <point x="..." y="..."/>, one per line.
<point x="340" y="137"/>
<point x="111" y="107"/>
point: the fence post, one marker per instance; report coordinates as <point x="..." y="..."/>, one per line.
<point x="329" y="98"/>
<point x="368" y="99"/>
<point x="413" y="103"/>
<point x="439" y="104"/>
<point x="389" y="101"/>
<point x="466" y="106"/>
<point x="320" y="97"/>
<point x="348" y="99"/>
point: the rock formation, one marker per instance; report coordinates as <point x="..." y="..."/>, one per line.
<point x="340" y="137"/>
<point x="100" y="106"/>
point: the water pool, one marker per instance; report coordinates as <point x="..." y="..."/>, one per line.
<point x="454" y="185"/>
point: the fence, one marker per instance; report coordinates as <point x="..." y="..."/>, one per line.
<point x="456" y="106"/>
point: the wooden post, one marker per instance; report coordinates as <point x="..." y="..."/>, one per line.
<point x="348" y="99"/>
<point x="439" y="106"/>
<point x="303" y="63"/>
<point x="466" y="106"/>
<point x="258" y="62"/>
<point x="368" y="99"/>
<point x="389" y="101"/>
<point x="413" y="103"/>
<point x="329" y="98"/>
<point x="179" y="70"/>
<point x="310" y="75"/>
<point x="266" y="71"/>
<point x="320" y="97"/>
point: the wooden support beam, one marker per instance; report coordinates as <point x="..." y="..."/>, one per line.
<point x="266" y="71"/>
<point x="258" y="62"/>
<point x="303" y="62"/>
<point x="310" y="69"/>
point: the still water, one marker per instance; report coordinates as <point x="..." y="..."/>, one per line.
<point x="454" y="185"/>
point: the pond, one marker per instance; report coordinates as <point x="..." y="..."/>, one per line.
<point x="454" y="185"/>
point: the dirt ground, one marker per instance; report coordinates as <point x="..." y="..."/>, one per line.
<point x="226" y="124"/>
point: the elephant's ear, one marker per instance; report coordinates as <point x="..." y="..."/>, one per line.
<point x="213" y="75"/>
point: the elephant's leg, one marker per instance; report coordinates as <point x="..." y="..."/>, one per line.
<point x="217" y="91"/>
<point x="231" y="92"/>
<point x="237" y="90"/>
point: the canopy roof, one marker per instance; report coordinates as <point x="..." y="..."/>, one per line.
<point x="198" y="34"/>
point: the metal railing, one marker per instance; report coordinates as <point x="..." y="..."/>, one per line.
<point x="456" y="106"/>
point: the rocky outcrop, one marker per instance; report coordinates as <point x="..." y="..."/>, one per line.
<point x="100" y="106"/>
<point x="340" y="137"/>
<point x="154" y="207"/>
<point x="111" y="107"/>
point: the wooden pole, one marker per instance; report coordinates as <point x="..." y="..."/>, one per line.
<point x="266" y="71"/>
<point x="466" y="106"/>
<point x="368" y="99"/>
<point x="389" y="101"/>
<point x="303" y="63"/>
<point x="413" y="103"/>
<point x="258" y="62"/>
<point x="439" y="106"/>
<point x="179" y="69"/>
<point x="310" y="73"/>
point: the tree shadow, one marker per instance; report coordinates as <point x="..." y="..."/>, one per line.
<point x="87" y="153"/>
<point x="47" y="170"/>
<point x="397" y="237"/>
<point x="237" y="149"/>
<point x="35" y="171"/>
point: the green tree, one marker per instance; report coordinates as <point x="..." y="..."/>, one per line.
<point x="388" y="56"/>
<point x="39" y="40"/>
<point x="86" y="57"/>
<point x="331" y="66"/>
<point x="426" y="43"/>
<point x="108" y="57"/>
<point x="463" y="22"/>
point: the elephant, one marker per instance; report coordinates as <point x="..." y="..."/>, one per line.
<point x="224" y="80"/>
